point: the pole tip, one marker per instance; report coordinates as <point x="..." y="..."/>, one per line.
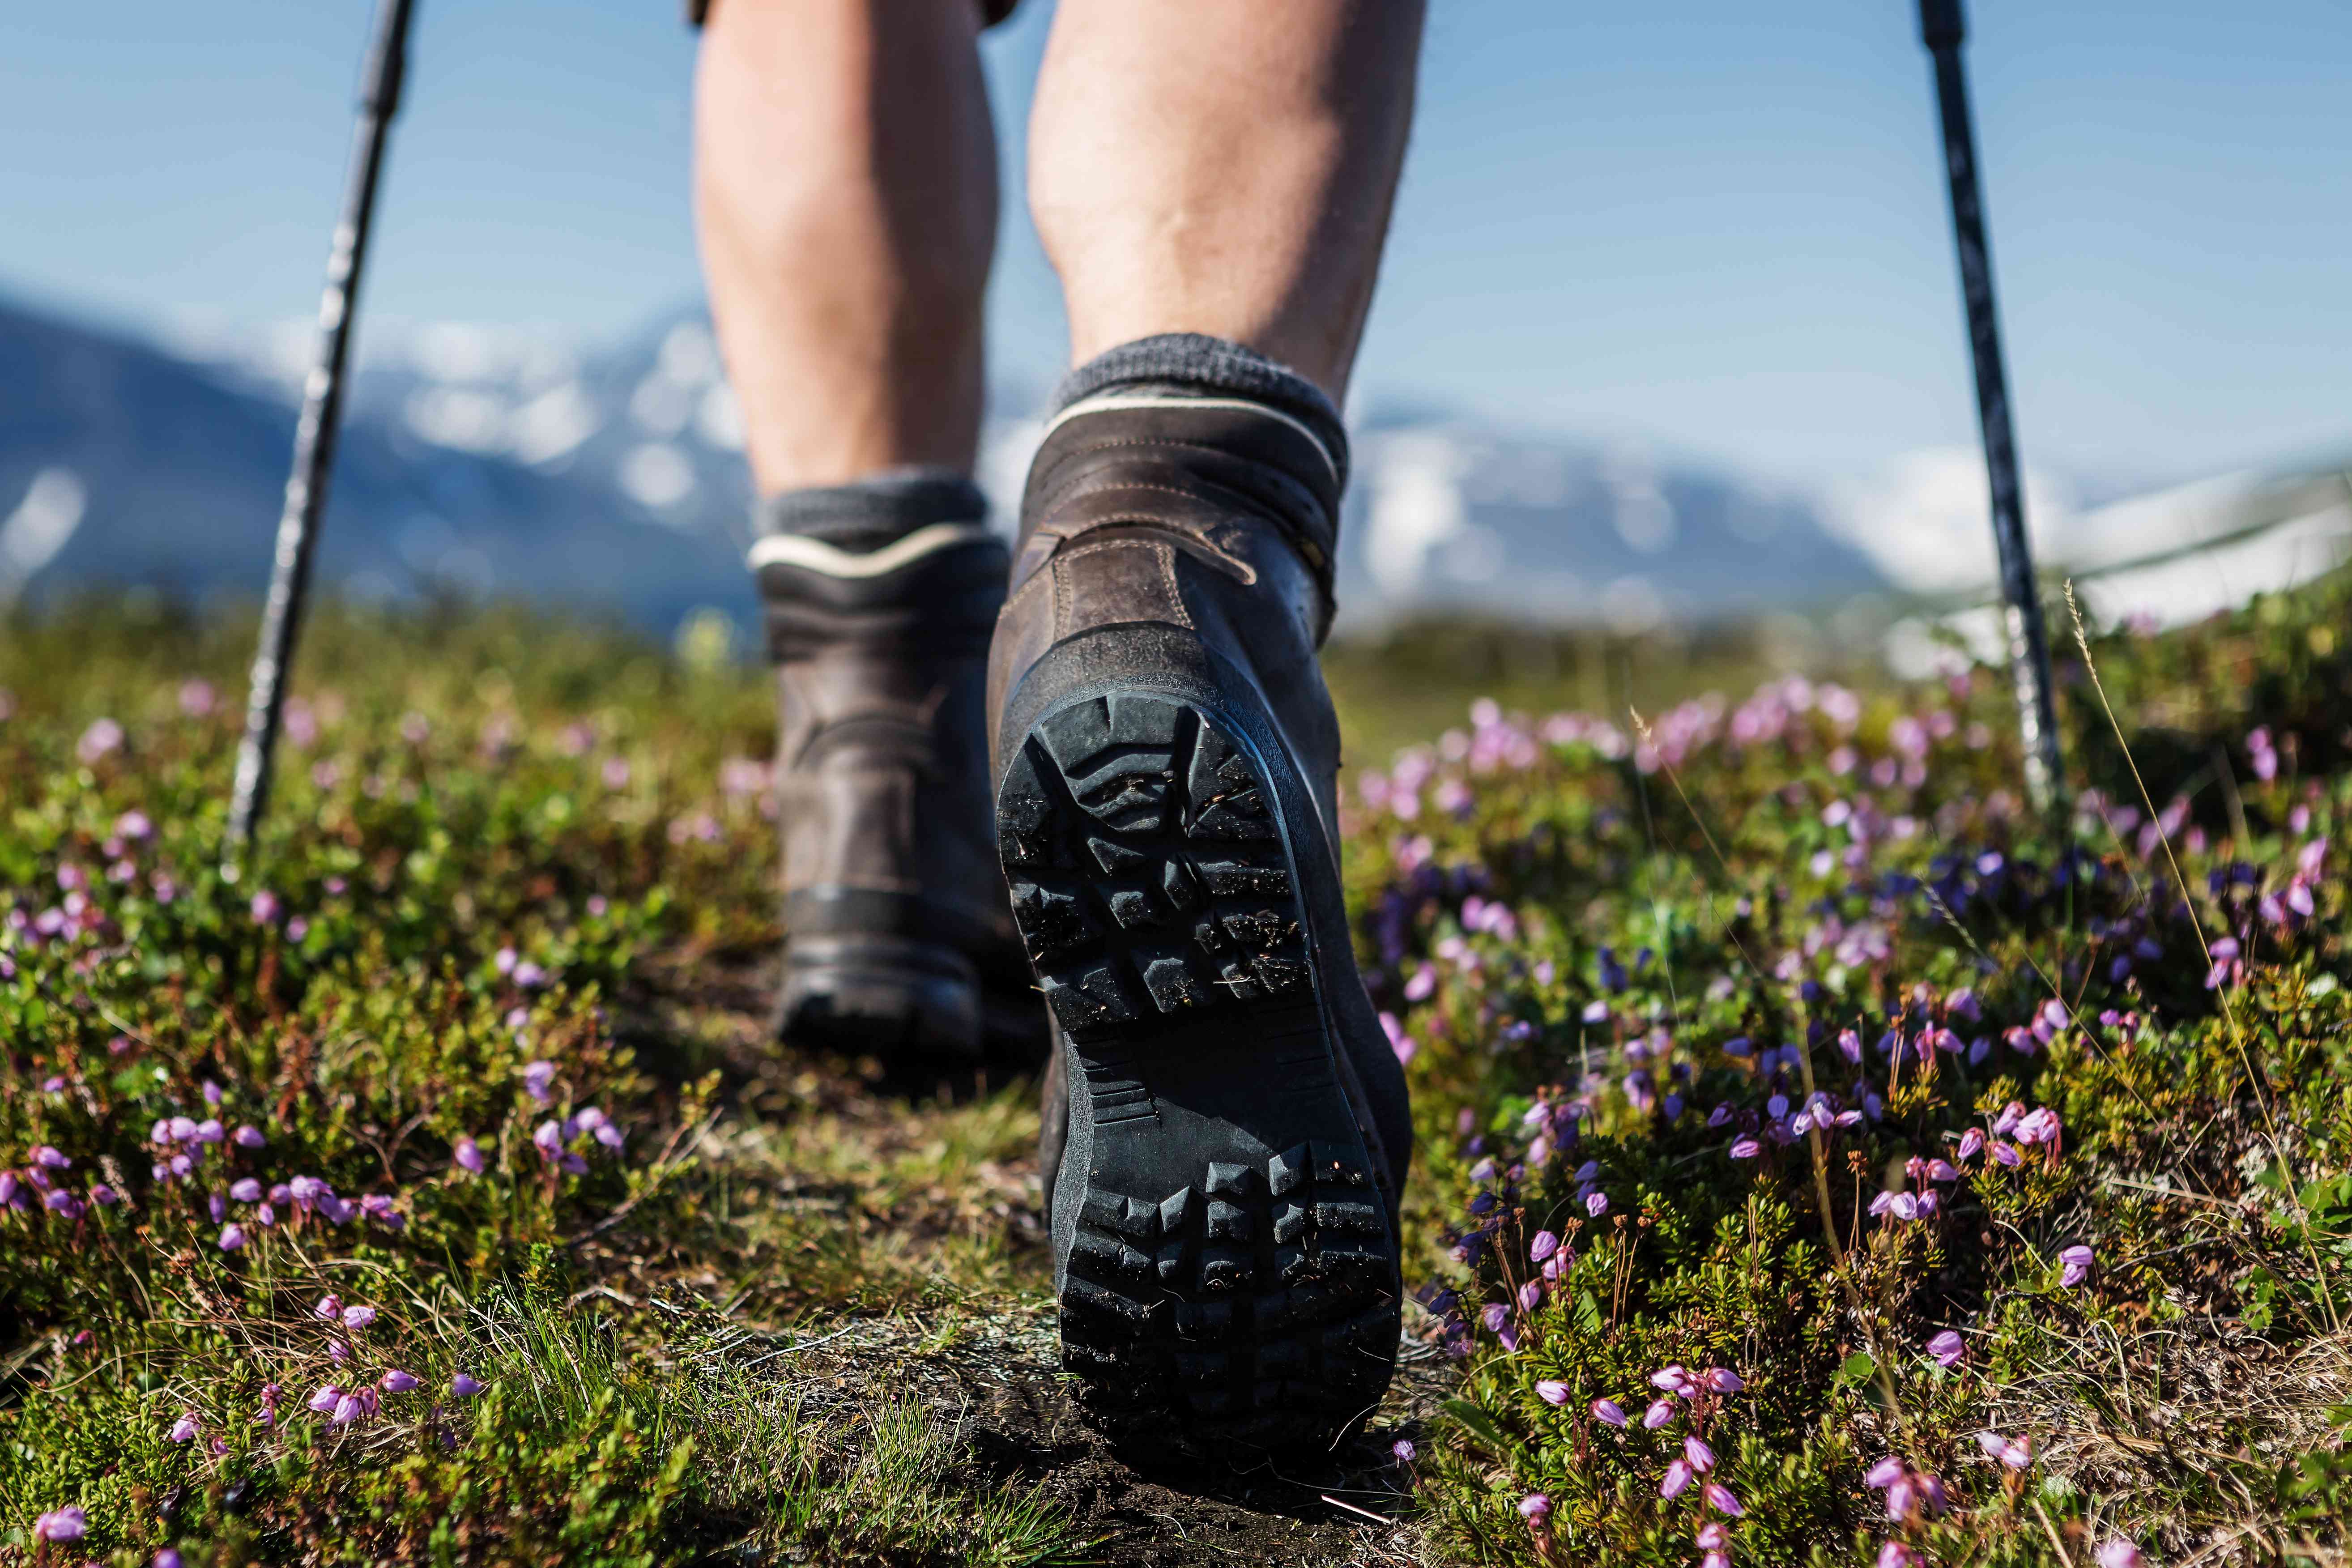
<point x="1942" y="24"/>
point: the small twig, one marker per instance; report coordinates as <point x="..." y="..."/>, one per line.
<point x="1351" y="1508"/>
<point x="2049" y="1529"/>
<point x="802" y="1345"/>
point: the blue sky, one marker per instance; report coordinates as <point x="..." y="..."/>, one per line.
<point x="1715" y="226"/>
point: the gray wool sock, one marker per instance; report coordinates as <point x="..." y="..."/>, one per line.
<point x="878" y="510"/>
<point x="1204" y="366"/>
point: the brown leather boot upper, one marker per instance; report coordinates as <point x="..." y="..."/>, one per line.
<point x="1215" y="516"/>
<point x="892" y="890"/>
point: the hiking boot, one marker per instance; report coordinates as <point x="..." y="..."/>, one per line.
<point x="895" y="934"/>
<point x="1225" y="1126"/>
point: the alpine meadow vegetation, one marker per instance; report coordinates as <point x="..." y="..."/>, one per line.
<point x="1824" y="1157"/>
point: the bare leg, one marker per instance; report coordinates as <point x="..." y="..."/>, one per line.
<point x="845" y="191"/>
<point x="1223" y="166"/>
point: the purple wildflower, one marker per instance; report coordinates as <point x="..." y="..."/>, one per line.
<point x="1722" y="1380"/>
<point x="1701" y="1456"/>
<point x="1552" y="1390"/>
<point x="464" y="1388"/>
<point x="2117" y="1552"/>
<point x="1676" y="1482"/>
<point x="1403" y="1450"/>
<point x="185" y="1428"/>
<point x="1535" y="1508"/>
<point x="67" y="1523"/>
<point x="325" y="1399"/>
<point x="2076" y="1262"/>
<point x="1949" y="1348"/>
<point x="396" y="1382"/>
<point x="232" y="1238"/>
<point x="1608" y="1412"/>
<point x="358" y="1317"/>
<point x="467" y="1156"/>
<point x="1544" y="1245"/>
<point x="1660" y="1411"/>
<point x="1720" y="1498"/>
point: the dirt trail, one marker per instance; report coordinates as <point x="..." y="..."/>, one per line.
<point x="989" y="1372"/>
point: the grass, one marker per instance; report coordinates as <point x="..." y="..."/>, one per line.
<point x="495" y="978"/>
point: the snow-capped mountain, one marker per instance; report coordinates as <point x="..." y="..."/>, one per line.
<point x="490" y="461"/>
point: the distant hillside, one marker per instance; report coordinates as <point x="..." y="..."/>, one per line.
<point x="488" y="461"/>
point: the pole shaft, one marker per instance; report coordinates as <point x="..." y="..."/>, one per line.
<point x="2028" y="641"/>
<point x="314" y="435"/>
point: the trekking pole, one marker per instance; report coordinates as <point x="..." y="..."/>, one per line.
<point x="314" y="436"/>
<point x="1943" y="28"/>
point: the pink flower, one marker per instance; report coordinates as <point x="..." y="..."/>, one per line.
<point x="1596" y="1203"/>
<point x="1659" y="1413"/>
<point x="464" y="1388"/>
<point x="1715" y="1560"/>
<point x="67" y="1523"/>
<point x="396" y="1382"/>
<point x="1677" y="1480"/>
<point x="1947" y="1348"/>
<point x="536" y="1078"/>
<point x="467" y="1156"/>
<point x="1745" y="1148"/>
<point x="1712" y="1536"/>
<point x="1544" y="1245"/>
<point x="347" y="1410"/>
<point x="2076" y="1263"/>
<point x="1722" y="1380"/>
<point x="1971" y="1142"/>
<point x="330" y="1308"/>
<point x="1531" y="1295"/>
<point x="185" y="1429"/>
<point x="49" y="1158"/>
<point x="547" y="1136"/>
<point x="232" y="1238"/>
<point x="1535" y="1508"/>
<point x="1895" y="1554"/>
<point x="325" y="1399"/>
<point x="1494" y="1314"/>
<point x="1608" y="1412"/>
<point x="1403" y="1450"/>
<point x="358" y="1317"/>
<point x="2117" y="1552"/>
<point x="1701" y="1456"/>
<point x="245" y="1190"/>
<point x="1673" y="1379"/>
<point x="1552" y="1390"/>
<point x="1884" y="1473"/>
<point x="2009" y="1451"/>
<point x="1719" y="1499"/>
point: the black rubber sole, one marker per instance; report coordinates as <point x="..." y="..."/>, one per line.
<point x="883" y="994"/>
<point x="1227" y="1270"/>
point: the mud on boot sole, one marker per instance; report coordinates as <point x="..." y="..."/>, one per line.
<point x="1231" y="1281"/>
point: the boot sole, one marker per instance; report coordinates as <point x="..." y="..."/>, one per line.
<point x="883" y="994"/>
<point x="1226" y="1263"/>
